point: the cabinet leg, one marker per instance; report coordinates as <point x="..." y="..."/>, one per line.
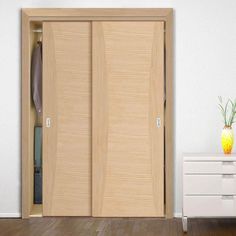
<point x="185" y="223"/>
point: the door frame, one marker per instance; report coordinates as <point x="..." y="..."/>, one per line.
<point x="36" y="16"/>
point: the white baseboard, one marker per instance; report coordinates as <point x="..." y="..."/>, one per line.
<point x="177" y="214"/>
<point x="10" y="215"/>
<point x="17" y="215"/>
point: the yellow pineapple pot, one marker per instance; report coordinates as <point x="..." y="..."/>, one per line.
<point x="227" y="136"/>
<point x="227" y="139"/>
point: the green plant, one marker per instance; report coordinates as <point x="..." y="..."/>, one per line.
<point x="228" y="111"/>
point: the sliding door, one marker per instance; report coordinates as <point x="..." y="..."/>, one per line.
<point x="128" y="118"/>
<point x="67" y="119"/>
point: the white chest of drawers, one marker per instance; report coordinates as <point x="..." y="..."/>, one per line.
<point x="209" y="186"/>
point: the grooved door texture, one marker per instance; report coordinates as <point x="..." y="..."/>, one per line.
<point x="67" y="101"/>
<point x="128" y="97"/>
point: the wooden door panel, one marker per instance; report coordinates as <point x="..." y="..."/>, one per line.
<point x="128" y="96"/>
<point x="67" y="101"/>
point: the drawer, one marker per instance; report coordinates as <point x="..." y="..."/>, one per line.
<point x="209" y="206"/>
<point x="209" y="184"/>
<point x="210" y="167"/>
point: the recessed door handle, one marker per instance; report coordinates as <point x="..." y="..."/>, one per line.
<point x="48" y="122"/>
<point x="227" y="163"/>
<point x="227" y="197"/>
<point x="158" y="122"/>
<point x="228" y="176"/>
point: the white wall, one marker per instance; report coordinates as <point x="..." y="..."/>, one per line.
<point x="205" y="67"/>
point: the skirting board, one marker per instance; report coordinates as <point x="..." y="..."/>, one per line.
<point x="18" y="215"/>
<point x="10" y="215"/>
<point x="178" y="215"/>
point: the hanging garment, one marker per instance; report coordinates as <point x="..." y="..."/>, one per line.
<point x="38" y="165"/>
<point x="36" y="76"/>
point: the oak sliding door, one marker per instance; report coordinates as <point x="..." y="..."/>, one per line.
<point x="107" y="76"/>
<point x="67" y="118"/>
<point x="128" y="117"/>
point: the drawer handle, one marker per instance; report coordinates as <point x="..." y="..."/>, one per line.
<point x="227" y="163"/>
<point x="227" y="197"/>
<point x="227" y="176"/>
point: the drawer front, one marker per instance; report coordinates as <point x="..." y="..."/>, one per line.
<point x="211" y="167"/>
<point x="209" y="206"/>
<point x="209" y="184"/>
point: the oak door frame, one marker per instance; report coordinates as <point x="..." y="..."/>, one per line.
<point x="37" y="15"/>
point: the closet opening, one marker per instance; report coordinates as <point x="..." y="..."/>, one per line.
<point x="35" y="162"/>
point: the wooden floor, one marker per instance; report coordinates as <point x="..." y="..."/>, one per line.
<point x="77" y="226"/>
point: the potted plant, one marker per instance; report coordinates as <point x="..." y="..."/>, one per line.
<point x="228" y="112"/>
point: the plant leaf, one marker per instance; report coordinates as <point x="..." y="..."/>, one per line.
<point x="226" y="109"/>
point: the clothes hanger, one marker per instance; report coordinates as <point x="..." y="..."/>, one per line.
<point x="40" y="33"/>
<point x="40" y="38"/>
